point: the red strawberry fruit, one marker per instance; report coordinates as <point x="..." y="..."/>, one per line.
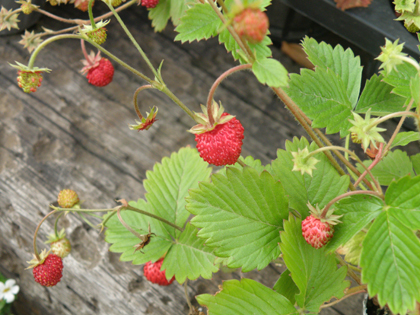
<point x="153" y="273"/>
<point x="100" y="71"/>
<point x="49" y="272"/>
<point x="251" y="24"/>
<point x="150" y="4"/>
<point x="318" y="230"/>
<point x="220" y="142"/>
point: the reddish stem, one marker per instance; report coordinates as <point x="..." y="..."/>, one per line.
<point x="378" y="157"/>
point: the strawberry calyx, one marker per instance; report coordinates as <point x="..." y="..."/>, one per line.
<point x="91" y="61"/>
<point x="204" y="121"/>
<point x="36" y="262"/>
<point x="147" y="122"/>
<point x="56" y="237"/>
<point x="96" y="33"/>
<point x="329" y="218"/>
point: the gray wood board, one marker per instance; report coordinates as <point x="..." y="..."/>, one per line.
<point x="70" y="134"/>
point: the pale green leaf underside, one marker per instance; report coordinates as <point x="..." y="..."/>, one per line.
<point x="178" y="9"/>
<point x="199" y="22"/>
<point x="270" y="72"/>
<point x="404" y="138"/>
<point x="341" y="62"/>
<point x="313" y="270"/>
<point x="189" y="258"/>
<point x="160" y="15"/>
<point x="377" y="97"/>
<point x="390" y="263"/>
<point x="286" y="287"/>
<point x="395" y="165"/>
<point x="123" y="241"/>
<point x="400" y="79"/>
<point x="246" y="297"/>
<point x="322" y="96"/>
<point x="357" y="212"/>
<point x="404" y="198"/>
<point x="324" y="185"/>
<point x="168" y="184"/>
<point x="241" y="216"/>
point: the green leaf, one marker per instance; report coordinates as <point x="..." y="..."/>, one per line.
<point x="390" y="263"/>
<point x="168" y="184"/>
<point x="403" y="196"/>
<point x="404" y="138"/>
<point x="322" y="96"/>
<point x="343" y="63"/>
<point x="400" y="79"/>
<point x="240" y="215"/>
<point x="261" y="50"/>
<point x="178" y="9"/>
<point x="199" y="22"/>
<point x="324" y="185"/>
<point x="246" y="297"/>
<point x="189" y="258"/>
<point x="262" y="4"/>
<point x="415" y="159"/>
<point x="286" y="287"/>
<point x="314" y="272"/>
<point x="395" y="165"/>
<point x="404" y="5"/>
<point x="415" y="89"/>
<point x="270" y="72"/>
<point x="160" y="15"/>
<point x="357" y="211"/>
<point x="123" y="241"/>
<point x="377" y="97"/>
<point x="249" y="161"/>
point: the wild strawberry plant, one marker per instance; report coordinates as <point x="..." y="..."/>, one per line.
<point x="322" y="210"/>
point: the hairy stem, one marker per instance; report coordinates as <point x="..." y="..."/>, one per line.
<point x="378" y="157"/>
<point x="187" y="296"/>
<point x="136" y="234"/>
<point x="136" y="106"/>
<point x="36" y="233"/>
<point x="56" y="224"/>
<point x="92" y="20"/>
<point x="350" y="292"/>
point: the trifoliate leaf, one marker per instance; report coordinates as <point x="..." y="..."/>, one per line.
<point x="249" y="161"/>
<point x="404" y="138"/>
<point x="246" y="297"/>
<point x="160" y="15"/>
<point x="240" y="215"/>
<point x="322" y="96"/>
<point x="415" y="89"/>
<point x="286" y="287"/>
<point x="178" y="9"/>
<point x="377" y="98"/>
<point x="342" y="62"/>
<point x="271" y="72"/>
<point x="415" y="159"/>
<point x="400" y="79"/>
<point x="314" y="272"/>
<point x="324" y="185"/>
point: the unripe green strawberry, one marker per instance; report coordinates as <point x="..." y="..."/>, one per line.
<point x="67" y="198"/>
<point x="61" y="248"/>
<point x="116" y="3"/>
<point x="29" y="81"/>
<point x="251" y="24"/>
<point x="27" y="7"/>
<point x="98" y="35"/>
<point x="412" y="28"/>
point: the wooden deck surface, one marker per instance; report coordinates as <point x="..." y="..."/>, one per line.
<point x="70" y="134"/>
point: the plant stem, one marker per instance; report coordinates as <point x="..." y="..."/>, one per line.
<point x="36" y="233"/>
<point x="350" y="292"/>
<point x="217" y="83"/>
<point x="71" y="36"/>
<point x="388" y="146"/>
<point x="348" y="194"/>
<point x="171" y="95"/>
<point x="223" y="6"/>
<point x="187" y="296"/>
<point x="354" y="268"/>
<point x="389" y="116"/>
<point x="136" y="234"/>
<point x="132" y="39"/>
<point x="349" y="271"/>
<point x="242" y="163"/>
<point x="378" y="157"/>
<point x="136" y="106"/>
<point x="410" y="61"/>
<point x="56" y="223"/>
<point x="18" y="10"/>
<point x="92" y="20"/>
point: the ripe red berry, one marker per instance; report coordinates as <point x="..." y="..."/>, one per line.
<point x="251" y="25"/>
<point x="223" y="144"/>
<point x="316" y="232"/>
<point x="150" y="4"/>
<point x="153" y="273"/>
<point x="102" y="74"/>
<point x="49" y="273"/>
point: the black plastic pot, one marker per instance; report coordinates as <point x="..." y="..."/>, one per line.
<point x="26" y="20"/>
<point x="370" y="308"/>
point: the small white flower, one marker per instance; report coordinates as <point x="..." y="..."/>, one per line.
<point x="8" y="290"/>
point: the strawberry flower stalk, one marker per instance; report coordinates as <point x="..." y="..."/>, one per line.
<point x="143" y="123"/>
